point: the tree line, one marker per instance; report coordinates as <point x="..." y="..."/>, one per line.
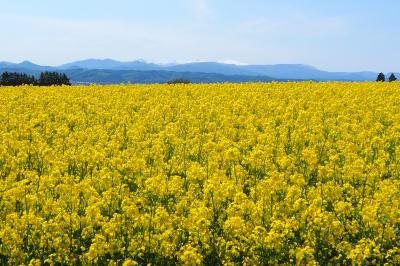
<point x="45" y="79"/>
<point x="381" y="77"/>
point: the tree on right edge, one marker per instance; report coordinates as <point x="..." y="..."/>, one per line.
<point x="392" y="77"/>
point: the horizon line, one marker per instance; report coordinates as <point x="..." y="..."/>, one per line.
<point x="183" y="62"/>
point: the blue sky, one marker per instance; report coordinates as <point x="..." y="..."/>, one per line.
<point x="332" y="35"/>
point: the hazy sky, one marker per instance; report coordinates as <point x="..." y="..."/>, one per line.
<point x="346" y="35"/>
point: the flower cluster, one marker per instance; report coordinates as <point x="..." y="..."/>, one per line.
<point x="216" y="174"/>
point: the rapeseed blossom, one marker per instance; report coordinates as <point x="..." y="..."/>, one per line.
<point x="219" y="174"/>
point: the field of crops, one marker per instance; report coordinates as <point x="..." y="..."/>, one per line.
<point x="220" y="174"/>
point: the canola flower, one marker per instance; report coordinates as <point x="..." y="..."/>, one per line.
<point x="218" y="174"/>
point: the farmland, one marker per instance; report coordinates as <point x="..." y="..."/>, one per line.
<point x="217" y="174"/>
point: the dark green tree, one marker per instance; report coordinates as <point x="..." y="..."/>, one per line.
<point x="381" y="77"/>
<point x="16" y="79"/>
<point x="392" y="77"/>
<point x="53" y="78"/>
<point x="65" y="80"/>
<point x="179" y="81"/>
<point x="45" y="79"/>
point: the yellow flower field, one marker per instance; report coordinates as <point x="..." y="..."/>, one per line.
<point x="216" y="174"/>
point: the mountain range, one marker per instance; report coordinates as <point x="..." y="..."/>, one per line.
<point x="106" y="71"/>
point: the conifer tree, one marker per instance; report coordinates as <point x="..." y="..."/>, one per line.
<point x="381" y="77"/>
<point x="392" y="77"/>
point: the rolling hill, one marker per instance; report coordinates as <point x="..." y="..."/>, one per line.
<point x="139" y="71"/>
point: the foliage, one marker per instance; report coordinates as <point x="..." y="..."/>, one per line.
<point x="179" y="81"/>
<point x="53" y="78"/>
<point x="16" y="79"/>
<point x="381" y="77"/>
<point x="217" y="174"/>
<point x="392" y="78"/>
<point x="45" y="79"/>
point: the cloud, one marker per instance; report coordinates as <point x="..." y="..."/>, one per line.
<point x="296" y="25"/>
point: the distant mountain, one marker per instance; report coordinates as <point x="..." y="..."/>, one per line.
<point x="298" y="71"/>
<point x="29" y="65"/>
<point x="25" y="66"/>
<point x="5" y="64"/>
<point x="140" y="71"/>
<point x="213" y="67"/>
<point x="107" y="76"/>
<point x="279" y="71"/>
<point x="111" y="64"/>
<point x="92" y="64"/>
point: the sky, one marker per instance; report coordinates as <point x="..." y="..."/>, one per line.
<point x="340" y="35"/>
